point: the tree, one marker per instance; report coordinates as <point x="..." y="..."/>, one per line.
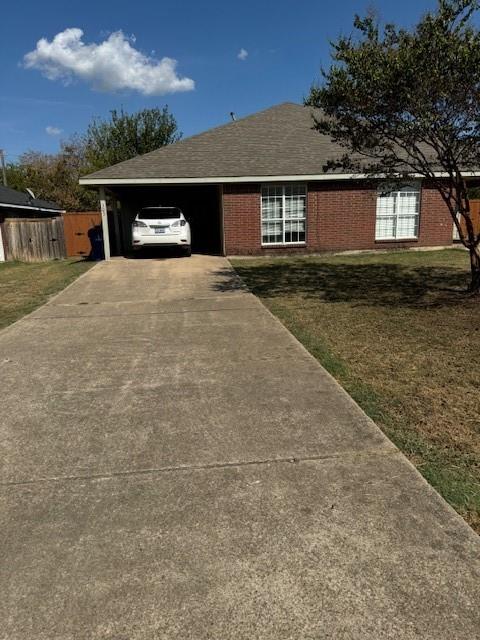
<point x="127" y="135"/>
<point x="54" y="176"/>
<point x="407" y="103"/>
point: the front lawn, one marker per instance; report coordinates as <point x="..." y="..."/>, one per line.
<point x="25" y="286"/>
<point x="399" y="334"/>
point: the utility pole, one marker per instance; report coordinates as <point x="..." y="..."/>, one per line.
<point x="4" y="171"/>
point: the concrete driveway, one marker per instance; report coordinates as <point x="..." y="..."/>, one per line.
<point x="175" y="465"/>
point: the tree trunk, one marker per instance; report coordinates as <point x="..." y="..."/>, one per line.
<point x="472" y="239"/>
<point x="475" y="269"/>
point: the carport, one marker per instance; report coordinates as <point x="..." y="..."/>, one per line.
<point x="201" y="204"/>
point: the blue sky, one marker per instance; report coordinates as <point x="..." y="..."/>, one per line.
<point x="285" y="44"/>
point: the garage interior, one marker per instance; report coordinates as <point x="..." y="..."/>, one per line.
<point x="201" y="205"/>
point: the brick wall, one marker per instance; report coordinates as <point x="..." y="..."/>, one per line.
<point x="345" y="215"/>
<point x="436" y="224"/>
<point x="241" y="219"/>
<point x="340" y="216"/>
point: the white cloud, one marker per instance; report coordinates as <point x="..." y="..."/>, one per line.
<point x="53" y="131"/>
<point x="242" y="54"/>
<point x="111" y="65"/>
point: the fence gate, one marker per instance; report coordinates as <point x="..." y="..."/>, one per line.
<point x="77" y="226"/>
<point x="33" y="239"/>
<point x="475" y="215"/>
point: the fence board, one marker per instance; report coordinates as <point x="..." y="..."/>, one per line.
<point x="475" y="211"/>
<point x="76" y="228"/>
<point x="34" y="240"/>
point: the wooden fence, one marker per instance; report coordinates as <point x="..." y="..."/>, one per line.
<point x="76" y="228"/>
<point x="475" y="214"/>
<point x="475" y="210"/>
<point x="33" y="240"/>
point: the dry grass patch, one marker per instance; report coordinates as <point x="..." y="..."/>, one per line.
<point x="25" y="286"/>
<point x="399" y="333"/>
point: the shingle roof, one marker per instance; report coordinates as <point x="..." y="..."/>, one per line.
<point x="278" y="141"/>
<point x="10" y="196"/>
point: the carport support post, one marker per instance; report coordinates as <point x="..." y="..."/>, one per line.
<point x="116" y="224"/>
<point x="2" y="249"/>
<point x="103" y="209"/>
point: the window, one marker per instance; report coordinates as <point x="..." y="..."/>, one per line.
<point x="159" y="213"/>
<point x="283" y="214"/>
<point x="398" y="213"/>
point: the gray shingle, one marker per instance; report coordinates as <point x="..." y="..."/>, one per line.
<point x="277" y="141"/>
<point x="22" y="199"/>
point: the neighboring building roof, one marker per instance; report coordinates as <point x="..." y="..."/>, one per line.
<point x="22" y="200"/>
<point x="279" y="141"/>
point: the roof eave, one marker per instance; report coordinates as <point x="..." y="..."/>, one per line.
<point x="30" y="208"/>
<point x="86" y="181"/>
<point x="207" y="179"/>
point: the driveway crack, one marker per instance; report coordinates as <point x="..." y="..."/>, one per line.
<point x="391" y="450"/>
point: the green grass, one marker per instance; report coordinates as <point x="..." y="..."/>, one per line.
<point x="399" y="333"/>
<point x="25" y="286"/>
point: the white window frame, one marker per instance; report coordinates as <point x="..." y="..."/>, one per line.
<point x="397" y="214"/>
<point x="283" y="219"/>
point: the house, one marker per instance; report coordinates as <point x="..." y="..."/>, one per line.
<point x="19" y="204"/>
<point x="257" y="186"/>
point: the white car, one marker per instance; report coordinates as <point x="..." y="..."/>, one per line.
<point x="161" y="227"/>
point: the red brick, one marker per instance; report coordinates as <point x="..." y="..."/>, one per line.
<point x="340" y="216"/>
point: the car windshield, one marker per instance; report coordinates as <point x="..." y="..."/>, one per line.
<point x="159" y="213"/>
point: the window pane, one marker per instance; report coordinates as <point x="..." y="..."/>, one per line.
<point x="385" y="204"/>
<point x="271" y="208"/>
<point x="294" y="225"/>
<point x="408" y="202"/>
<point x="295" y="190"/>
<point x="295" y="231"/>
<point x="385" y="227"/>
<point x="272" y="202"/>
<point x="272" y="191"/>
<point x="295" y="207"/>
<point x="407" y="226"/>
<point x="295" y="201"/>
<point x="272" y="232"/>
